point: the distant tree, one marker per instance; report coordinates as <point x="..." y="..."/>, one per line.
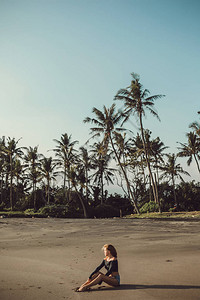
<point x="191" y="149"/>
<point x="173" y="171"/>
<point x="65" y="154"/>
<point x="85" y="164"/>
<point x="47" y="169"/>
<point x="18" y="174"/>
<point x="32" y="164"/>
<point x="77" y="177"/>
<point x="102" y="170"/>
<point x="12" y="152"/>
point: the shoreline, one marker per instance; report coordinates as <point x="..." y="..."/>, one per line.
<point x="187" y="216"/>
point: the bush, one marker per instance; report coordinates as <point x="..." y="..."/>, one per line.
<point x="105" y="211"/>
<point x="29" y="212"/>
<point x="120" y="203"/>
<point x="149" y="207"/>
<point x="12" y="214"/>
<point x="60" y="211"/>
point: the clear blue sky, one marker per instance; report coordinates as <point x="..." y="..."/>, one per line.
<point x="58" y="59"/>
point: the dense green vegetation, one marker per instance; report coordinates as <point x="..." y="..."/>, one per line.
<point x="114" y="155"/>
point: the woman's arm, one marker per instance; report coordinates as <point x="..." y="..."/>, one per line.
<point x="97" y="269"/>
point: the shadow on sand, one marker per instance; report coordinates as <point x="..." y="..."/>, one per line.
<point x="144" y="286"/>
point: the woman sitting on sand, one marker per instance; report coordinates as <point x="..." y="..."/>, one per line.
<point x="111" y="264"/>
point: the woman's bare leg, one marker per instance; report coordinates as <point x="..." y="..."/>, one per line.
<point x="109" y="280"/>
<point x="93" y="277"/>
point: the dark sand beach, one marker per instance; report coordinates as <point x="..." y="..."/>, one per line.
<point x="48" y="258"/>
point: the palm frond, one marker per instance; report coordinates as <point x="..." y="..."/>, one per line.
<point x="154" y="97"/>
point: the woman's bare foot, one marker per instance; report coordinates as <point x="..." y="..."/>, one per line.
<point x="83" y="288"/>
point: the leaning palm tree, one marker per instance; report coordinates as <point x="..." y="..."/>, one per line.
<point x="76" y="177"/>
<point x="173" y="171"/>
<point x="136" y="101"/>
<point x="105" y="123"/>
<point x="191" y="149"/>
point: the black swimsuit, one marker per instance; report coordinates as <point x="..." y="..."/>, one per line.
<point x="111" y="266"/>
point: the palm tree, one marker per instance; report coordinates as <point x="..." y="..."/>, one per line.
<point x="101" y="160"/>
<point x="105" y="123"/>
<point x="76" y="177"/>
<point x="136" y="101"/>
<point x="196" y="127"/>
<point x="18" y="173"/>
<point x="173" y="171"/>
<point x="123" y="146"/>
<point x="32" y="164"/>
<point x="47" y="169"/>
<point x="65" y="153"/>
<point x="12" y="152"/>
<point x="157" y="148"/>
<point x="137" y="155"/>
<point x="191" y="149"/>
<point x="85" y="164"/>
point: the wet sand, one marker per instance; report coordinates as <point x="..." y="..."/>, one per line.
<point x="48" y="258"/>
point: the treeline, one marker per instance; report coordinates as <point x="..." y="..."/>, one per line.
<point x="137" y="163"/>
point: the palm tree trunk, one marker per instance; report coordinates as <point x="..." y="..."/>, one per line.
<point x="156" y="185"/>
<point x="149" y="188"/>
<point x="48" y="187"/>
<point x="2" y="187"/>
<point x="197" y="163"/>
<point x="81" y="200"/>
<point x="174" y="191"/>
<point x="11" y="183"/>
<point x="125" y="176"/>
<point x="34" y="195"/>
<point x="102" y="192"/>
<point x="86" y="184"/>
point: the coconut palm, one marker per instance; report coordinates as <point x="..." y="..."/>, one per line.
<point x="12" y="152"/>
<point x="191" y="149"/>
<point x="101" y="161"/>
<point x="76" y="177"/>
<point x="105" y="124"/>
<point x="47" y="169"/>
<point x="123" y="146"/>
<point x="65" y="154"/>
<point x="137" y="155"/>
<point x="18" y="170"/>
<point x="196" y="127"/>
<point x="173" y="171"/>
<point x="85" y="163"/>
<point x="157" y="148"/>
<point x="32" y="164"/>
<point x="136" y="101"/>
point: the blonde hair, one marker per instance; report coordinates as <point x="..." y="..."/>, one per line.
<point x="111" y="248"/>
